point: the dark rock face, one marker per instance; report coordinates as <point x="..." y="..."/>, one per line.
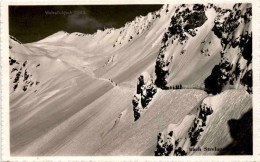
<point x="20" y="71"/>
<point x="12" y="61"/>
<point x="14" y="69"/>
<point x="247" y="49"/>
<point x="224" y="29"/>
<point x="145" y="92"/>
<point x="232" y="19"/>
<point x="170" y="144"/>
<point x="237" y="70"/>
<point x="16" y="79"/>
<point x="186" y="20"/>
<point x="199" y="124"/>
<point x="219" y="77"/>
<point x="198" y="7"/>
<point x="148" y="96"/>
<point x="244" y="42"/>
<point x="183" y="22"/>
<point x="161" y="72"/>
<point x="26" y="75"/>
<point x="248" y="15"/>
<point x="248" y="81"/>
<point x="15" y="86"/>
<point x="24" y="64"/>
<point x="136" y="108"/>
<point x="25" y="87"/>
<point x="140" y="83"/>
<point x="195" y="19"/>
<point x="225" y="24"/>
<point x="163" y="148"/>
<point x="236" y="73"/>
<point x="180" y="152"/>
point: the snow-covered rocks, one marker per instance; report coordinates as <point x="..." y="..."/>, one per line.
<point x="247" y="81"/>
<point x="179" y="139"/>
<point x="184" y="21"/>
<point x="199" y="124"/>
<point x="20" y="76"/>
<point x="136" y="28"/>
<point x="219" y="77"/>
<point x="144" y="94"/>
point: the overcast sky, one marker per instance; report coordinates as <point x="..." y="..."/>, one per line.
<point x="33" y="23"/>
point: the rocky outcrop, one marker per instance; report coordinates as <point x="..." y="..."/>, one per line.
<point x="226" y="24"/>
<point x="144" y="94"/>
<point x="177" y="140"/>
<point x="184" y="22"/>
<point x="199" y="124"/>
<point x="244" y="42"/>
<point x="161" y="71"/>
<point x="20" y="75"/>
<point x="219" y="77"/>
<point x="247" y="81"/>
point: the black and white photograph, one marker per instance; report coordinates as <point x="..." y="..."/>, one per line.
<point x="131" y="79"/>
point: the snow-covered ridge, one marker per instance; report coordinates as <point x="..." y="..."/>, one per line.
<point x="137" y="27"/>
<point x="109" y="37"/>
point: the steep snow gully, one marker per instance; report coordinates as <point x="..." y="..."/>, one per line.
<point x="76" y="94"/>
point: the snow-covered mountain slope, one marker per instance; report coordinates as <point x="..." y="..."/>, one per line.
<point x="164" y="84"/>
